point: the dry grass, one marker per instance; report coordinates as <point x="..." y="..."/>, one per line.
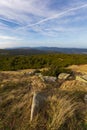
<point x="15" y="99"/>
<point x="79" y="68"/>
<point x="63" y="109"/>
<point x="74" y="85"/>
<point x="61" y="112"/>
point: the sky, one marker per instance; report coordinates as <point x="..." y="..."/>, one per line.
<point x="52" y="23"/>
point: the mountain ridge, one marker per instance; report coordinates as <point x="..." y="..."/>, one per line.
<point x="41" y="50"/>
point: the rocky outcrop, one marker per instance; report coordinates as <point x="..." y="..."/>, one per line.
<point x="37" y="103"/>
<point x="64" y="76"/>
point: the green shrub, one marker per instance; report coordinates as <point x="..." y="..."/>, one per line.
<point x="55" y="71"/>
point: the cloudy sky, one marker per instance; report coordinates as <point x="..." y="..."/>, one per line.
<point x="61" y="23"/>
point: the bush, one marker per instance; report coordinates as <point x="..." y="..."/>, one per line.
<point x="55" y="71"/>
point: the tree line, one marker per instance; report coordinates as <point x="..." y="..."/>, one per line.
<point x="55" y="61"/>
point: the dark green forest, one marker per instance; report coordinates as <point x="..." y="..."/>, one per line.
<point x="57" y="62"/>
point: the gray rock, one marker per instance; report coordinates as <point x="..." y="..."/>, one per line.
<point x="38" y="74"/>
<point x="49" y="78"/>
<point x="37" y="104"/>
<point x="63" y="76"/>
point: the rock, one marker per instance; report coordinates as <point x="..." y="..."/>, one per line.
<point x="49" y="78"/>
<point x="29" y="73"/>
<point x="38" y="74"/>
<point x="85" y="98"/>
<point x="37" y="104"/>
<point x="84" y="77"/>
<point x="63" y="76"/>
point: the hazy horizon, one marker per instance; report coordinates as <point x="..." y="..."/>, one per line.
<point x="23" y="47"/>
<point x="34" y="23"/>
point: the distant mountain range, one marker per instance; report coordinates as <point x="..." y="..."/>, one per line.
<point x="64" y="50"/>
<point x="41" y="50"/>
<point x="20" y="51"/>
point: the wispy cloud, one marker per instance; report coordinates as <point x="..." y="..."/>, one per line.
<point x="34" y="20"/>
<point x="11" y="38"/>
<point x="7" y="38"/>
<point x="58" y="15"/>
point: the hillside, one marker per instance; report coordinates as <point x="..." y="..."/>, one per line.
<point x="64" y="109"/>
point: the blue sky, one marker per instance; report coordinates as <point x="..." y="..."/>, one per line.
<point x="32" y="23"/>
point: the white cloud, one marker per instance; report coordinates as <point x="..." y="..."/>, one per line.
<point x="11" y="38"/>
<point x="37" y="16"/>
<point x="9" y="44"/>
<point x="6" y="38"/>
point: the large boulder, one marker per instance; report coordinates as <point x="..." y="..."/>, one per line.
<point x="37" y="103"/>
<point x="64" y="76"/>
